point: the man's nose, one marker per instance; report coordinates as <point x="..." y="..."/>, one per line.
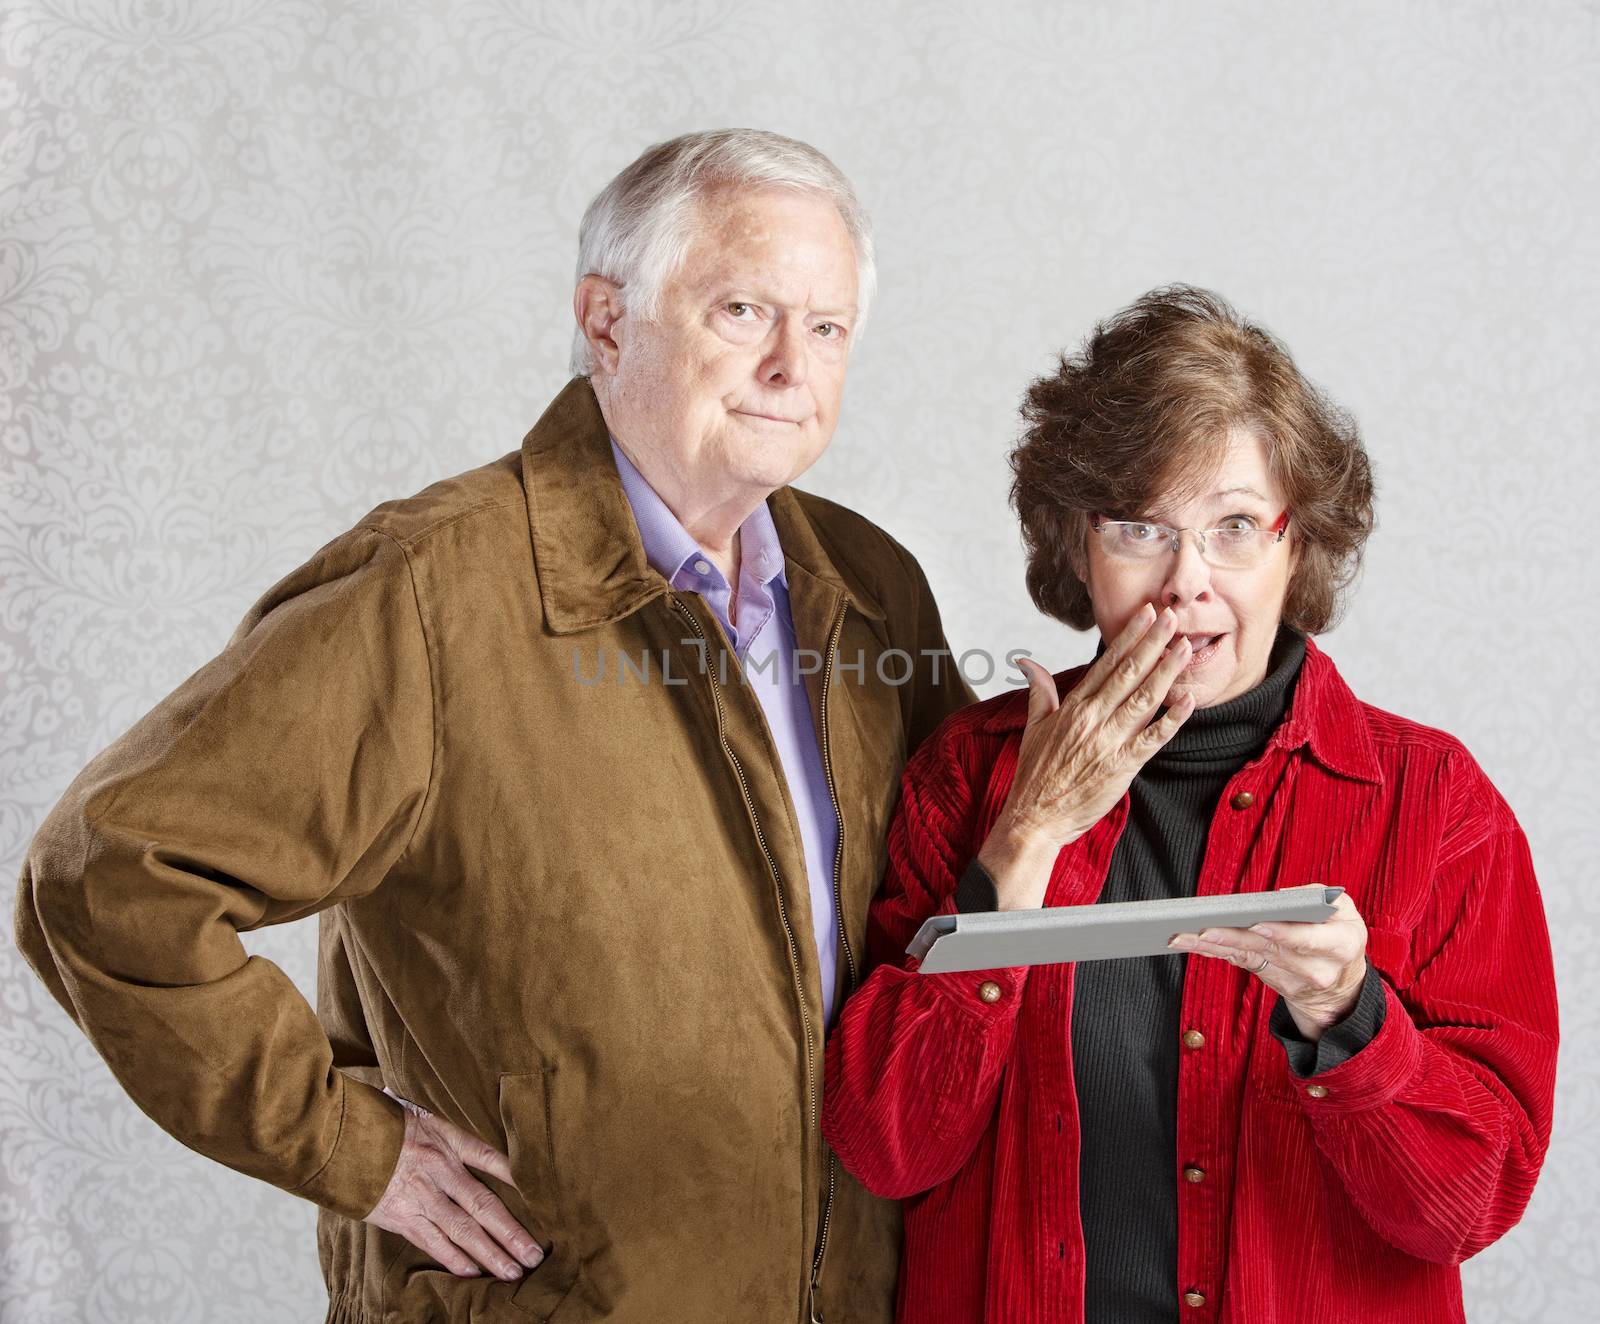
<point x="1188" y="577"/>
<point x="784" y="363"/>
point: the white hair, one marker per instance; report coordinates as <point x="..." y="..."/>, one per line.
<point x="636" y="230"/>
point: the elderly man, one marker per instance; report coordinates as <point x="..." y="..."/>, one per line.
<point x="585" y="758"/>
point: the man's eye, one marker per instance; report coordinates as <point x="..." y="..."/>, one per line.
<point x="829" y="330"/>
<point x="739" y="309"/>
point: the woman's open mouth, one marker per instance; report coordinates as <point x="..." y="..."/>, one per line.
<point x="1205" y="648"/>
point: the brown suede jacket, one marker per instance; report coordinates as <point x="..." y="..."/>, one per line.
<point x="564" y="908"/>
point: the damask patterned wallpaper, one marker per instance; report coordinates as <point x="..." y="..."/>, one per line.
<point x="264" y="263"/>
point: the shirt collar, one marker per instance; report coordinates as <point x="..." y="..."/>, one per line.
<point x="669" y="546"/>
<point x="589" y="560"/>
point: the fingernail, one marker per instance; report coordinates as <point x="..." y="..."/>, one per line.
<point x="531" y="1256"/>
<point x="1261" y="929"/>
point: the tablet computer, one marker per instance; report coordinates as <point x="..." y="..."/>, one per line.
<point x="986" y="940"/>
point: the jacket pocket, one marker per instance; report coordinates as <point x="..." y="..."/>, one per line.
<point x="416" y="1287"/>
<point x="527" y="1116"/>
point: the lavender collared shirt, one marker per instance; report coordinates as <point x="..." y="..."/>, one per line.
<point x="765" y="629"/>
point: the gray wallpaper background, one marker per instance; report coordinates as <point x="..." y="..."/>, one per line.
<point x="265" y="263"/>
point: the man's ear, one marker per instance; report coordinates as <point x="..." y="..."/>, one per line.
<point x="597" y="304"/>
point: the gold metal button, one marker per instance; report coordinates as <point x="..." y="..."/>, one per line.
<point x="1195" y="1175"/>
<point x="1317" y="1091"/>
<point x="1243" y="800"/>
<point x="1193" y="1039"/>
<point x="989" y="991"/>
<point x="1195" y="1299"/>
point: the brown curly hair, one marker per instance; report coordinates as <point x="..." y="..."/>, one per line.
<point x="1145" y="408"/>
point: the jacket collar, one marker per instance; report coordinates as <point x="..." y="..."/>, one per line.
<point x="1323" y="713"/>
<point x="591" y="561"/>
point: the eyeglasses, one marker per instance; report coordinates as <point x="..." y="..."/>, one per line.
<point x="1238" y="544"/>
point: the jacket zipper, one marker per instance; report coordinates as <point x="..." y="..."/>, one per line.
<point x="783" y="910"/>
<point x="844" y="941"/>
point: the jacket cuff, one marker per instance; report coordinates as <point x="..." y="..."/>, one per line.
<point x="984" y="997"/>
<point x="1339" y="1042"/>
<point x="1374" y="1076"/>
<point x="372" y="1128"/>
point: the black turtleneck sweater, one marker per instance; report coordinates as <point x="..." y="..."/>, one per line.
<point x="1125" y="1012"/>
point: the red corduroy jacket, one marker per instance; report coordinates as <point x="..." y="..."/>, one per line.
<point x="1352" y="1195"/>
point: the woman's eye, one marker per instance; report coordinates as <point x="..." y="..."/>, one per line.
<point x="1141" y="532"/>
<point x="1237" y="524"/>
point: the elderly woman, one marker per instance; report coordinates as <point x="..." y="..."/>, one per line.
<point x="1309" y="1122"/>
